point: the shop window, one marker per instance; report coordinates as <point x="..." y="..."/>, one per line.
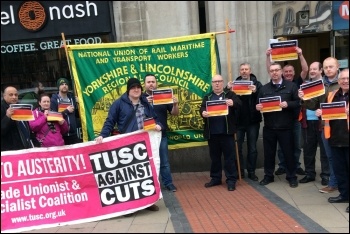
<point x="19" y="69"/>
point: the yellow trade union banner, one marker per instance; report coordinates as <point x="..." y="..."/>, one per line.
<point x="184" y="64"/>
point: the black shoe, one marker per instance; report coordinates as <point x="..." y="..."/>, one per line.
<point x="300" y="171"/>
<point x="171" y="188"/>
<point x="280" y="171"/>
<point x="266" y="181"/>
<point x="231" y="187"/>
<point x="129" y="215"/>
<point x="324" y="181"/>
<point x="253" y="177"/>
<point x="347" y="209"/>
<point x="211" y="184"/>
<point x="338" y="199"/>
<point x="306" y="179"/>
<point x="153" y="208"/>
<point x="293" y="183"/>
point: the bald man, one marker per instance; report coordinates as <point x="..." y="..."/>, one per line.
<point x="15" y="135"/>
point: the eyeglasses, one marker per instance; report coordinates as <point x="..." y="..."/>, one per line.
<point x="344" y="79"/>
<point x="276" y="70"/>
<point x="216" y="81"/>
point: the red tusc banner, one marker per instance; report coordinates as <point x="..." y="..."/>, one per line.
<point x="57" y="186"/>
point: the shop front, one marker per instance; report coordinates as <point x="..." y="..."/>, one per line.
<point x="321" y="28"/>
<point x="33" y="35"/>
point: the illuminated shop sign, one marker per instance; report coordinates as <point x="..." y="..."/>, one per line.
<point x="23" y="20"/>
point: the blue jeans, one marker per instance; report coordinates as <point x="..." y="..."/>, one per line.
<point x="332" y="180"/>
<point x="252" y="132"/>
<point x="164" y="162"/>
<point x="297" y="147"/>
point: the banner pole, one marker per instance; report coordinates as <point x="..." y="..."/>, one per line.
<point x="227" y="31"/>
<point x="66" y="51"/>
<point x="229" y="73"/>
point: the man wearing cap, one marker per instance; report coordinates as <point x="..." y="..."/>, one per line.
<point x="69" y="113"/>
<point x="128" y="112"/>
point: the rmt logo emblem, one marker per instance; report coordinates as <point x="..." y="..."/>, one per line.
<point x="32" y="16"/>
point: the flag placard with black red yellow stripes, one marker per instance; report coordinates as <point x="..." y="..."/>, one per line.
<point x="333" y="110"/>
<point x="241" y="87"/>
<point x="62" y="105"/>
<point x="217" y="108"/>
<point x="54" y="116"/>
<point x="149" y="124"/>
<point x="312" y="89"/>
<point x="22" y="112"/>
<point x="284" y="50"/>
<point x="270" y="104"/>
<point x="162" y="96"/>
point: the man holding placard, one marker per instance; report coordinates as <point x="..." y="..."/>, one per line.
<point x="288" y="73"/>
<point x="278" y="124"/>
<point x="219" y="115"/>
<point x="15" y="135"/>
<point x="65" y="103"/>
<point x="337" y="132"/>
<point x="248" y="118"/>
<point x="330" y="81"/>
<point x="311" y="129"/>
<point x="162" y="111"/>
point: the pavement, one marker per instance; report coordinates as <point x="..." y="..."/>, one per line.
<point x="251" y="208"/>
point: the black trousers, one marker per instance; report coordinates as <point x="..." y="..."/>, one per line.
<point x="286" y="141"/>
<point x="72" y="139"/>
<point x="341" y="169"/>
<point x="219" y="145"/>
<point x="312" y="139"/>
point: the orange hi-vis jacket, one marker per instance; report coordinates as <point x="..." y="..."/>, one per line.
<point x="327" y="127"/>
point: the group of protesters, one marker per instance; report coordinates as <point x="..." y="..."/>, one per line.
<point x="282" y="129"/>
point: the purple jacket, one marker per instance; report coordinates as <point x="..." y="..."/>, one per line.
<point x="40" y="127"/>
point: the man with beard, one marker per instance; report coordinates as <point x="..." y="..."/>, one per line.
<point x="69" y="113"/>
<point x="38" y="90"/>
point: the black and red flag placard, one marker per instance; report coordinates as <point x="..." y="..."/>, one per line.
<point x="22" y="112"/>
<point x="270" y="104"/>
<point x="312" y="89"/>
<point x="217" y="108"/>
<point x="284" y="50"/>
<point x="54" y="116"/>
<point x="149" y="124"/>
<point x="241" y="87"/>
<point x="62" y="105"/>
<point x="162" y="96"/>
<point x="334" y="110"/>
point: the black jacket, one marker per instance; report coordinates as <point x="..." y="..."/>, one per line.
<point x="247" y="113"/>
<point x="288" y="91"/>
<point x="11" y="136"/>
<point x="71" y="118"/>
<point x="339" y="127"/>
<point x="231" y="118"/>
